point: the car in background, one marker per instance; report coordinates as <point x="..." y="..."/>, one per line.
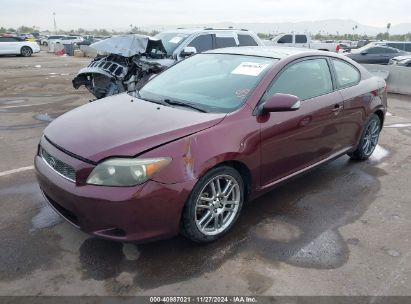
<point x="17" y="46"/>
<point x="133" y="58"/>
<point x="69" y="40"/>
<point x="28" y="37"/>
<point x="50" y="39"/>
<point x="371" y="54"/>
<point x="304" y="41"/>
<point x="401" y="61"/>
<point x="204" y="136"/>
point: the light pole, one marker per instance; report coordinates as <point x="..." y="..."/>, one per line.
<point x="55" y="24"/>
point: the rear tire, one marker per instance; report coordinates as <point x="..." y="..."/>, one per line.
<point x="214" y="205"/>
<point x="45" y="43"/>
<point x="369" y="139"/>
<point x="26" y="51"/>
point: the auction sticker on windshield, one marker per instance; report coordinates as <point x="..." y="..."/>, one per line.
<point x="175" y="39"/>
<point x="249" y="69"/>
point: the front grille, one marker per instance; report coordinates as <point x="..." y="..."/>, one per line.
<point x="57" y="165"/>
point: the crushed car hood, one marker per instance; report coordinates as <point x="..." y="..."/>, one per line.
<point x="115" y="126"/>
<point x="128" y="45"/>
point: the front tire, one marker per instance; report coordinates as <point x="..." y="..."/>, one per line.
<point x="214" y="205"/>
<point x="26" y="51"/>
<point x="369" y="139"/>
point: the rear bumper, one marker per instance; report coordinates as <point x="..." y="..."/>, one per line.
<point x="146" y="212"/>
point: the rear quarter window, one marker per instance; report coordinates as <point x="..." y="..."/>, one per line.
<point x="246" y="40"/>
<point x="346" y="74"/>
<point x="222" y="42"/>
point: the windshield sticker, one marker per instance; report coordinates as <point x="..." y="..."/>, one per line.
<point x="241" y="93"/>
<point x="249" y="69"/>
<point x="175" y="39"/>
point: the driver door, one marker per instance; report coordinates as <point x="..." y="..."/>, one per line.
<point x="291" y="141"/>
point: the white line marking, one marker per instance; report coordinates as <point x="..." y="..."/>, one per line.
<point x="4" y="173"/>
<point x="27" y="105"/>
<point x="399" y="125"/>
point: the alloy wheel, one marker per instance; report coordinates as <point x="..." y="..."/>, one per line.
<point x="217" y="205"/>
<point x="371" y="137"/>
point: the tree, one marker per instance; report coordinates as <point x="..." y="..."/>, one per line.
<point x="25" y="29"/>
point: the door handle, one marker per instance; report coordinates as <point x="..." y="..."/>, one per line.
<point x="337" y="108"/>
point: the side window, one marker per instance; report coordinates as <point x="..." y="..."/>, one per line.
<point x="300" y="39"/>
<point x="7" y="39"/>
<point x="346" y="74"/>
<point x="246" y="40"/>
<point x="378" y="50"/>
<point x="304" y="79"/>
<point x="224" y="41"/>
<point x="286" y="39"/>
<point x="202" y="43"/>
<point x="408" y="47"/>
<point x="390" y="51"/>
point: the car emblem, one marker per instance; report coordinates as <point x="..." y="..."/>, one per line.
<point x="52" y="162"/>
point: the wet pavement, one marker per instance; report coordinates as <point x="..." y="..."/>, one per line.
<point x="342" y="229"/>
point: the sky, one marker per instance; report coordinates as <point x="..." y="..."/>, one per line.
<point x="119" y="14"/>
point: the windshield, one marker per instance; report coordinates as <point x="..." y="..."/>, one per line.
<point x="171" y="40"/>
<point x="212" y="82"/>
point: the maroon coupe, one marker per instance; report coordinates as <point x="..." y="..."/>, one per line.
<point x="219" y="128"/>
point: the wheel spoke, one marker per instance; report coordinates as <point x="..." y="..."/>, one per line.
<point x="213" y="190"/>
<point x="207" y="199"/>
<point x="217" y="181"/>
<point x="203" y="206"/>
<point x="207" y="215"/>
<point x="209" y="221"/>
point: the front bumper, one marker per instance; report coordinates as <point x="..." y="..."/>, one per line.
<point x="145" y="212"/>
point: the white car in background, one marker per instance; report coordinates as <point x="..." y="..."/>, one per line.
<point x="17" y="46"/>
<point x="50" y="39"/>
<point x="303" y="41"/>
<point x="69" y="40"/>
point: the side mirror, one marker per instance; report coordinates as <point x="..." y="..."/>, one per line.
<point x="188" y="51"/>
<point x="281" y="103"/>
<point x="364" y="53"/>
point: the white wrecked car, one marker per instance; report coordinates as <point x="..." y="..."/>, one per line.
<point x="131" y="60"/>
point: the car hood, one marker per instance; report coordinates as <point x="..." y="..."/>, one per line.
<point x="128" y="45"/>
<point x="118" y="126"/>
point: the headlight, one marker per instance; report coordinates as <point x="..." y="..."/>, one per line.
<point x="125" y="171"/>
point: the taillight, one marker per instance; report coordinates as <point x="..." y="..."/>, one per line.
<point x="338" y="48"/>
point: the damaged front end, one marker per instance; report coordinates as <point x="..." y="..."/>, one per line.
<point x="131" y="61"/>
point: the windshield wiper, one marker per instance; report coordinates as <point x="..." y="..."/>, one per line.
<point x="183" y="104"/>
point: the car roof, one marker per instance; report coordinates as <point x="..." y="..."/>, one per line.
<point x="277" y="52"/>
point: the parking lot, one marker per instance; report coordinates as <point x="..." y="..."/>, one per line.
<point x="342" y="229"/>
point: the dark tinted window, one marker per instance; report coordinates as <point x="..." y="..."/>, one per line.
<point x="246" y="40"/>
<point x="408" y="47"/>
<point x="346" y="74"/>
<point x="222" y="42"/>
<point x="380" y="50"/>
<point x="202" y="43"/>
<point x="7" y="39"/>
<point x="300" y="39"/>
<point x="400" y="46"/>
<point x="54" y="37"/>
<point x="286" y="39"/>
<point x="305" y="79"/>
